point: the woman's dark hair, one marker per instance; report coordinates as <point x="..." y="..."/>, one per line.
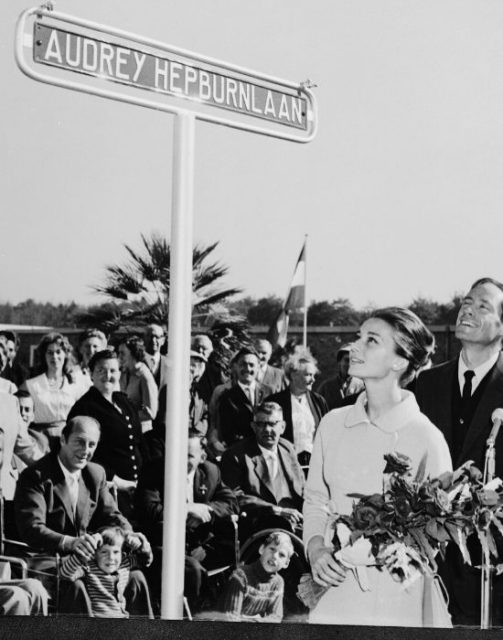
<point x="413" y="341"/>
<point x="136" y="346"/>
<point x="105" y="354"/>
<point x="62" y="342"/>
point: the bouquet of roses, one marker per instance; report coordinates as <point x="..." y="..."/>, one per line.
<point x="415" y="518"/>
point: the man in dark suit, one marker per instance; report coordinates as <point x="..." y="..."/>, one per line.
<point x="155" y="337"/>
<point x="64" y="497"/>
<point x="266" y="374"/>
<point x="302" y="408"/>
<point x="238" y="402"/>
<point x="459" y="397"/>
<point x="208" y="528"/>
<point x="341" y="386"/>
<point x="264" y="471"/>
<point x="14" y="370"/>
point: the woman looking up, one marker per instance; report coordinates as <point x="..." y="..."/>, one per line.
<point x="348" y="457"/>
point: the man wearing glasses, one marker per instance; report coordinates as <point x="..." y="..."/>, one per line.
<point x="265" y="473"/>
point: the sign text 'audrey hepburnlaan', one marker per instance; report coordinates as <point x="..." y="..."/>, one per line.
<point x="146" y="70"/>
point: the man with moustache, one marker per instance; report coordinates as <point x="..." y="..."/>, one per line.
<point x="459" y="397"/>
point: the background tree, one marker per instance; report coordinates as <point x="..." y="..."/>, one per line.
<point x="138" y="290"/>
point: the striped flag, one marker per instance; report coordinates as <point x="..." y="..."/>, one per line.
<point x="295" y="301"/>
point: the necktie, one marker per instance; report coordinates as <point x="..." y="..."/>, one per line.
<point x="272" y="465"/>
<point x="73" y="486"/>
<point x="467" y="387"/>
<point x="249" y="394"/>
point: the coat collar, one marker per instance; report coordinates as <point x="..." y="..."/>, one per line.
<point x="392" y="421"/>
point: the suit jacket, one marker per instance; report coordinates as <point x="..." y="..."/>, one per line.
<point x="208" y="489"/>
<point x="117" y="452"/>
<point x="244" y="469"/>
<point x="332" y="390"/>
<point x="316" y="402"/>
<point x="434" y="390"/>
<point x="43" y="508"/>
<point x="274" y="378"/>
<point x="434" y="396"/>
<point x="161" y="372"/>
<point x="16" y="440"/>
<point x="236" y="412"/>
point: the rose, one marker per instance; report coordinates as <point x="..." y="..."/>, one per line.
<point x="402" y="507"/>
<point x="397" y="463"/>
<point x="435" y="500"/>
<point x="365" y="516"/>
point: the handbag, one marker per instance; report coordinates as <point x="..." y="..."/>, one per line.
<point x="435" y="601"/>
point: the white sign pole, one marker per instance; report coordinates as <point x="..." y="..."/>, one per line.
<point x="180" y="309"/>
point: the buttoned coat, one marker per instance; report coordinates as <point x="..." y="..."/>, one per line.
<point x="120" y="449"/>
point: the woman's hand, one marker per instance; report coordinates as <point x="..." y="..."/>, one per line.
<point x="325" y="569"/>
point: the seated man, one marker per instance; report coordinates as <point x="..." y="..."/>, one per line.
<point x="266" y="475"/>
<point x="64" y="497"/>
<point x="210" y="504"/>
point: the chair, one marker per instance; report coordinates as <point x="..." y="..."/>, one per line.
<point x="298" y="565"/>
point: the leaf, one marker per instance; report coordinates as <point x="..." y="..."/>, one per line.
<point x="421" y="469"/>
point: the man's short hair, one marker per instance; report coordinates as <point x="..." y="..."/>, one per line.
<point x="493" y="281"/>
<point x="193" y="433"/>
<point x="105" y="354"/>
<point x="268" y="409"/>
<point x="245" y="351"/>
<point x="23" y="393"/>
<point x="74" y="422"/>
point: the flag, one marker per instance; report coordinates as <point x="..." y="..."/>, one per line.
<point x="295" y="301"/>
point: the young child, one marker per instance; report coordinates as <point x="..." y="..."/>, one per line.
<point x="254" y="592"/>
<point x="107" y="574"/>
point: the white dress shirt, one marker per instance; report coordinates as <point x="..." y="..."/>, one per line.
<point x="480" y="372"/>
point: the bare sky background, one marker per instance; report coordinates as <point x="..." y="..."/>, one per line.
<point x="401" y="192"/>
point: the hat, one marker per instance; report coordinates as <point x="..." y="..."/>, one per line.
<point x="196" y="354"/>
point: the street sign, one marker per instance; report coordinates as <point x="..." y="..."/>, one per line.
<point x="60" y="43"/>
<point x="85" y="56"/>
<point x="138" y="68"/>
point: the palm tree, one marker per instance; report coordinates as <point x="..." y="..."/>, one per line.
<point x="138" y="291"/>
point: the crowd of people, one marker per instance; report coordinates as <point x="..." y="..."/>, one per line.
<point x="82" y="471"/>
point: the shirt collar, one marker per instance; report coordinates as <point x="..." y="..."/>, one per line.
<point x="250" y="386"/>
<point x="269" y="453"/>
<point x="480" y="371"/>
<point x="393" y="420"/>
<point x="67" y="473"/>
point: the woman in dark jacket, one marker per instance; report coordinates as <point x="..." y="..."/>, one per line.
<point x="120" y="449"/>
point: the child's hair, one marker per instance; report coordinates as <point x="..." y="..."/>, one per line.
<point x="280" y="538"/>
<point x="112" y="535"/>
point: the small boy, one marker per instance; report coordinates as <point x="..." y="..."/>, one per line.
<point x="107" y="574"/>
<point x="27" y="411"/>
<point x="254" y="592"/>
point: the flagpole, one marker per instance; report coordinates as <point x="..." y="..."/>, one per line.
<point x="305" y="293"/>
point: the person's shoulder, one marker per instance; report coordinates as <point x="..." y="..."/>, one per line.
<point x="94" y="471"/>
<point x="279" y="396"/>
<point x="286" y="444"/>
<point x="41" y="469"/>
<point x="437" y="370"/>
<point x="241" y="448"/>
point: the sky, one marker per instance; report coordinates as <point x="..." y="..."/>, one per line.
<point x="400" y="193"/>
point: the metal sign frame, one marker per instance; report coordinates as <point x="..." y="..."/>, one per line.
<point x="180" y="307"/>
<point x="23" y="40"/>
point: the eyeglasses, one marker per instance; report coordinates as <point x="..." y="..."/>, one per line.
<point x="263" y="424"/>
